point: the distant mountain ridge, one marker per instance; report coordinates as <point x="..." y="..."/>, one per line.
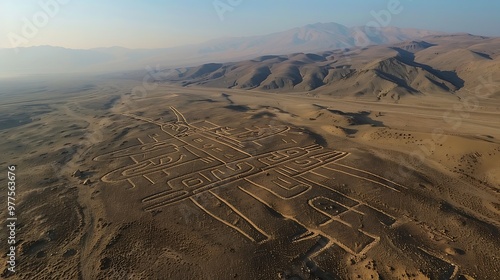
<point x="310" y="38"/>
<point x="315" y="37"/>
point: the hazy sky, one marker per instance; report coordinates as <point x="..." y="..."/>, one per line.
<point x="154" y="23"/>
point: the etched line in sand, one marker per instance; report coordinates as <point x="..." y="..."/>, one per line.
<point x="176" y="196"/>
<point x="277" y="175"/>
<point x="372" y="174"/>
<point x="321" y="175"/>
<point x="359" y="202"/>
<point x="302" y="189"/>
<point x="260" y="237"/>
<point x="315" y="231"/>
<point x="363" y="178"/>
<point x="371" y="245"/>
<point x="179" y="115"/>
<point x="327" y="206"/>
<point x="205" y="176"/>
<point x="184" y="126"/>
<point x="131" y="183"/>
<point x="241" y="214"/>
<point x="147" y="178"/>
<point x="257" y="143"/>
<point x="455" y="267"/>
<point x="134" y="160"/>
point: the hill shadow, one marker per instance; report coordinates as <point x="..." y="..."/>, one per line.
<point x="409" y="58"/>
<point x="227" y="97"/>
<point x="483" y="55"/>
<point x="318" y="138"/>
<point x="400" y="82"/>
<point x="358" y="118"/>
<point x="263" y="115"/>
<point x="238" y="108"/>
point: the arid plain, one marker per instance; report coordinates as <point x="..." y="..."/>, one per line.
<point x="193" y="181"/>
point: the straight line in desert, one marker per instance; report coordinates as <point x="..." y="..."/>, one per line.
<point x="289" y="168"/>
<point x="308" y="187"/>
<point x="204" y="176"/>
<point x="335" y="191"/>
<point x="208" y="169"/>
<point x="284" y="168"/>
<point x="316" y="231"/>
<point x="378" y="176"/>
<point x="179" y="195"/>
<point x="350" y="174"/>
<point x="347" y="207"/>
<point x="147" y="178"/>
<point x="332" y="217"/>
<point x="157" y="195"/>
<point x="455" y="270"/>
<point x="309" y="168"/>
<point x="257" y="143"/>
<point x="320" y="175"/>
<point x="383" y="212"/>
<point x="230" y="140"/>
<point x="222" y="221"/>
<point x="187" y="148"/>
<point x="368" y="247"/>
<point x="142" y="118"/>
<point x="241" y="214"/>
<point x="274" y="134"/>
<point x="133" y="159"/>
<point x="328" y="245"/>
<point x="188" y="144"/>
<point x="225" y="144"/>
<point x="283" y="172"/>
<point x="148" y="169"/>
<point x="178" y="114"/>
<point x="180" y="117"/>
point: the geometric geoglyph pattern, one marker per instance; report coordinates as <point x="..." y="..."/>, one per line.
<point x="227" y="171"/>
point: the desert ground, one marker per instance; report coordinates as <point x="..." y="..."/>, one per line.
<point x="207" y="183"/>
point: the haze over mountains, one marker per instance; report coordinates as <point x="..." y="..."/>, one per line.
<point x="310" y="38"/>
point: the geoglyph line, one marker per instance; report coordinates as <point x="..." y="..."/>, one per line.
<point x="363" y="178"/>
<point x="375" y="175"/>
<point x="306" y="164"/>
<point x="225" y="222"/>
<point x="241" y="214"/>
<point x="315" y="231"/>
<point x="308" y="187"/>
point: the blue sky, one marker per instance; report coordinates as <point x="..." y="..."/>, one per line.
<point x="154" y="23"/>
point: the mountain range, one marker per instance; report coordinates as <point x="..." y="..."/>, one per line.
<point x="448" y="64"/>
<point x="310" y="38"/>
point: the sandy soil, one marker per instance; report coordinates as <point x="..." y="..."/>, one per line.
<point x="198" y="183"/>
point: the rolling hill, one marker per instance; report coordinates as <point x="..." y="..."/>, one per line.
<point x="437" y="64"/>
